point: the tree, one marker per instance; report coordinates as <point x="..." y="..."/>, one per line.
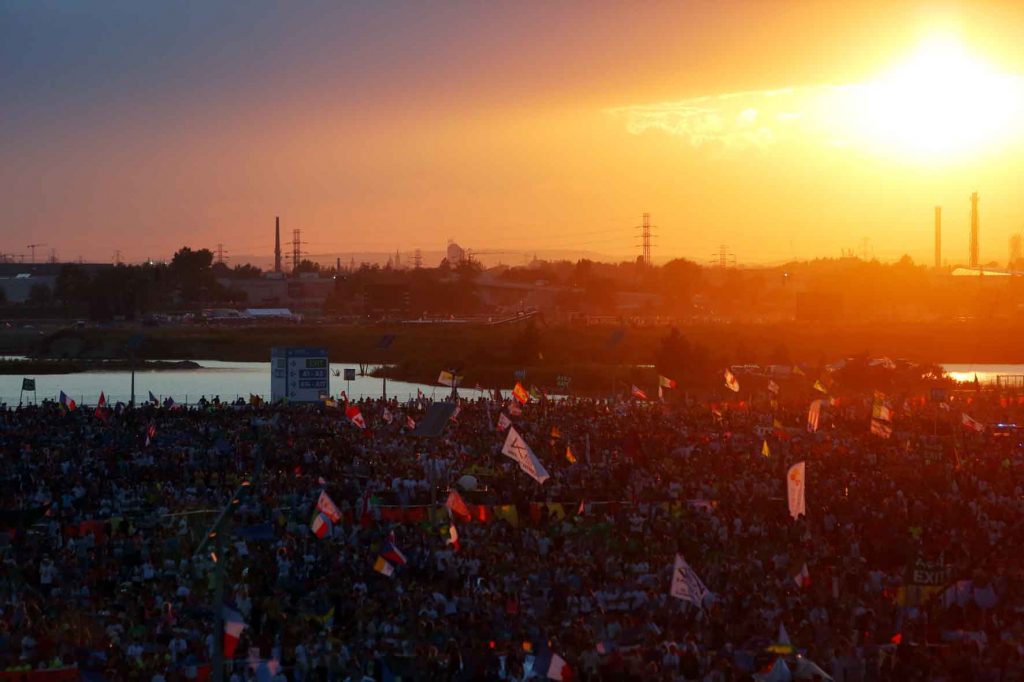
<point x="191" y="271"/>
<point x="306" y="265"/>
<point x="72" y="286"/>
<point x="39" y="295"/>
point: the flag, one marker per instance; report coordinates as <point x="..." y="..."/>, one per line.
<point x="101" y="408"/>
<point x="665" y="382"/>
<point x="881" y="428"/>
<point x="777" y="424"/>
<point x="446" y="378"/>
<point x="516" y="448"/>
<point x="387" y="416"/>
<point x="637" y="393"/>
<point x="383" y="567"/>
<point x="813" y="416"/>
<point x="233" y="626"/>
<point x="803" y="577"/>
<point x="67" y="402"/>
<point x="967" y="420"/>
<point x="556" y="433"/>
<point x="168" y="402"/>
<point x="455" y="414"/>
<point x="569" y="456"/>
<point x="28" y="384"/>
<point x="321" y="525"/>
<point x="503" y="422"/>
<point x="773" y="387"/>
<point x="520" y="393"/>
<point x="818" y="386"/>
<point x="731" y="382"/>
<point x="783" y="636"/>
<point x="325" y="505"/>
<point x="150" y="433"/>
<point x="795" y="489"/>
<point x="453" y="537"/>
<point x="880" y="407"/>
<point x="457" y="506"/>
<point x="552" y="666"/>
<point x="409" y="423"/>
<point x="686" y="585"/>
<point x="764" y="448"/>
<point x="153" y="399"/>
<point x="536" y="393"/>
<point x="355" y="416"/>
<point x="391" y="552"/>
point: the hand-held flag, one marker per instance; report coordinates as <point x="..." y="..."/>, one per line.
<point x="795" y="484"/>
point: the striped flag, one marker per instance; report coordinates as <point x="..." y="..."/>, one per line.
<point x="326" y="506"/>
<point x="321" y="525"/>
<point x="383" y="567"/>
<point x="637" y="393"/>
<point x="67" y="402"/>
<point x="233" y="626"/>
<point x="665" y="382"/>
<point x="355" y="416"/>
<point x="520" y="393"/>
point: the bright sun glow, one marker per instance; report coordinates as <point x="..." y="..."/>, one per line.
<point x="941" y="102"/>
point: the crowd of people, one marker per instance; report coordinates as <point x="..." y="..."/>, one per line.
<point x="904" y="567"/>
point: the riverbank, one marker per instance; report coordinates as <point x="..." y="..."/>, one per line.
<point x="43" y="366"/>
<point x="595" y="357"/>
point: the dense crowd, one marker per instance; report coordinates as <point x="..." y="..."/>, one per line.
<point x="906" y="565"/>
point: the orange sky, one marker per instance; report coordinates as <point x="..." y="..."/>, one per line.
<point x="529" y="126"/>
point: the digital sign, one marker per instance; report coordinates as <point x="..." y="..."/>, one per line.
<point x="299" y="375"/>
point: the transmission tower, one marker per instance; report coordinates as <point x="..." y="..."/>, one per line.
<point x="417" y="259"/>
<point x="296" y="248"/>
<point x="645" y="240"/>
<point x="53" y="256"/>
<point x="221" y="254"/>
<point x="117" y="257"/>
<point x="723" y="258"/>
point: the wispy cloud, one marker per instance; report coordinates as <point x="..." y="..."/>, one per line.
<point x="734" y="120"/>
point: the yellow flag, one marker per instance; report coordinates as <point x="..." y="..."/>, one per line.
<point x="764" y="449"/>
<point x="569" y="456"/>
<point x="777" y="424"/>
<point x="820" y="386"/>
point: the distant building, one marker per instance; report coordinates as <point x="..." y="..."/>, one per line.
<point x="18" y="288"/>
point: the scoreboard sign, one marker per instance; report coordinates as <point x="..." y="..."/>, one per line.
<point x="299" y="375"/>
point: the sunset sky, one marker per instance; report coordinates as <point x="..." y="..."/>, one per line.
<point x="783" y="129"/>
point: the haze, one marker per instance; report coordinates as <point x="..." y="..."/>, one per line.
<point x="784" y="130"/>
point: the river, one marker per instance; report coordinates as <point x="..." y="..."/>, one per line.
<point x="232" y="379"/>
<point x="216" y="378"/>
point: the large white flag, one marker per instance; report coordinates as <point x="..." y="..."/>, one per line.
<point x="685" y="583"/>
<point x="516" y="448"/>
<point x="795" y="483"/>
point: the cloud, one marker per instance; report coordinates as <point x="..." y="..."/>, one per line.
<point x="734" y="120"/>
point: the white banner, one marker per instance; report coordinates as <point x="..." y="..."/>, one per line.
<point x="516" y="448"/>
<point x="685" y="583"/>
<point x="795" y="483"/>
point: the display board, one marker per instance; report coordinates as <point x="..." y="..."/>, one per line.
<point x="299" y="375"/>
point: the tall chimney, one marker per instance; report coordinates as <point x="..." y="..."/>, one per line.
<point x="974" y="230"/>
<point x="277" y="244"/>
<point x="938" y="237"/>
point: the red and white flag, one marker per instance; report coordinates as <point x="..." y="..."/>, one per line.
<point x="637" y="393"/>
<point x="409" y="422"/>
<point x="321" y="525"/>
<point x="355" y="416"/>
<point x="971" y="423"/>
<point x="803" y="578"/>
<point x="326" y="506"/>
<point x="233" y="626"/>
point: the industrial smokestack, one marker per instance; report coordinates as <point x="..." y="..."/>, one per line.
<point x="938" y="237"/>
<point x="974" y="230"/>
<point x="277" y="244"/>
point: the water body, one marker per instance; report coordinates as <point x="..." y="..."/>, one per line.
<point x="216" y="378"/>
<point x="232" y="379"/>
